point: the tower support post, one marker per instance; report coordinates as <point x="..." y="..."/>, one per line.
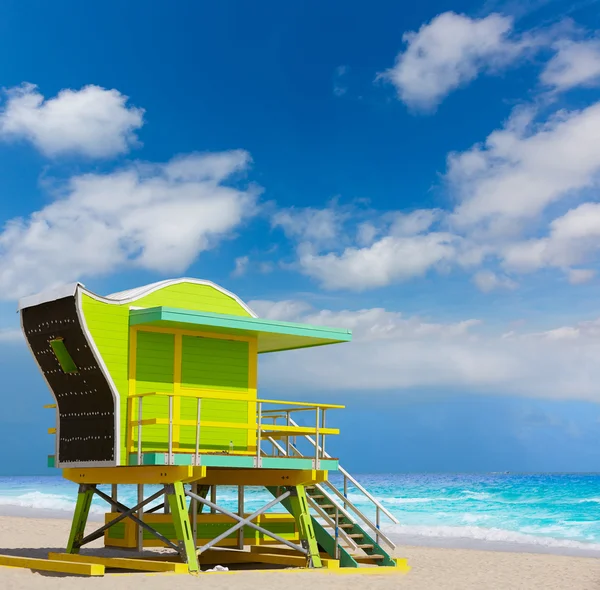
<point x="298" y="507"/>
<point x="82" y="511"/>
<point x="181" y="521"/>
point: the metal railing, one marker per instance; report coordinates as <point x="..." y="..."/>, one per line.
<point x="341" y="498"/>
<point x="266" y="425"/>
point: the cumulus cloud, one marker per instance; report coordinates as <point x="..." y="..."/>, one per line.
<point x="572" y="240"/>
<point x="308" y="224"/>
<point x="488" y="281"/>
<point x="578" y="276"/>
<point x="449" y="52"/>
<point x="503" y="191"/>
<point x="154" y="216"/>
<point x="522" y="168"/>
<point x="395" y="246"/>
<point x="576" y="63"/>
<point x="391" y="353"/>
<point x="347" y="248"/>
<point x="93" y="121"/>
<point x="387" y="260"/>
<point x="241" y="266"/>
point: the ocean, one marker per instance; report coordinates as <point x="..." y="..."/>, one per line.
<point x="538" y="512"/>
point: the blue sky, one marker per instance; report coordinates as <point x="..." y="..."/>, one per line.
<point x="425" y="175"/>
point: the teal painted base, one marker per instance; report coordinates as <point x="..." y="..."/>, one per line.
<point x="51" y="461"/>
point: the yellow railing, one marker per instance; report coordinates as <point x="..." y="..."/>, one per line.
<point x="272" y="429"/>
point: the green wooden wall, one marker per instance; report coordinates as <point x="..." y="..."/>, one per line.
<point x="207" y="363"/>
<point x="109" y="327"/>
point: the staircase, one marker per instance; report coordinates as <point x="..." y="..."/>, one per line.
<point x="342" y="530"/>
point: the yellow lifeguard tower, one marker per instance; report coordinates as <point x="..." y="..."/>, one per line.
<point x="158" y="386"/>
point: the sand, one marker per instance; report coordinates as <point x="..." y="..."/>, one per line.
<point x="433" y="568"/>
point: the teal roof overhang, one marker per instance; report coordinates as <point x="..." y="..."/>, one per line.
<point x="272" y="335"/>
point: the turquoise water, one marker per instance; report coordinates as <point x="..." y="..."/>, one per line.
<point x="559" y="512"/>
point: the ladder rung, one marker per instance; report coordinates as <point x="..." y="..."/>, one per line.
<point x="346" y="526"/>
<point x="327" y="506"/>
<point x="355" y="535"/>
<point x="366" y="546"/>
<point x="317" y="496"/>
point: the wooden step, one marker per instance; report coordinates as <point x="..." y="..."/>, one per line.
<point x="317" y="496"/>
<point x="368" y="558"/>
<point x="346" y="526"/>
<point x="367" y="546"/>
<point x="327" y="506"/>
<point x="355" y="535"/>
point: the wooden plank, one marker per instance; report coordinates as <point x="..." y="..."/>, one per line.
<point x="45" y="565"/>
<point x="125" y="563"/>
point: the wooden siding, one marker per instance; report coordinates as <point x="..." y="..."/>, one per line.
<point x="109" y="328"/>
<point x="208" y="363"/>
<point x="216" y="364"/>
<point x="193" y="296"/>
<point x="108" y="324"/>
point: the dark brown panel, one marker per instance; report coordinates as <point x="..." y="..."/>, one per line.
<point x="84" y="399"/>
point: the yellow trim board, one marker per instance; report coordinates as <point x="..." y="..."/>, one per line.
<point x="146" y="565"/>
<point x="263" y="477"/>
<point x="138" y="474"/>
<point x="45" y="565"/>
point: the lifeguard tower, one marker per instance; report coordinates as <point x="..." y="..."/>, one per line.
<point x="157" y="386"/>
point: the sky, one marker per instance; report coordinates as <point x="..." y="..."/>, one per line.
<point x="425" y="175"/>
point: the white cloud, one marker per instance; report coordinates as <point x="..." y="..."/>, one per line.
<point x="576" y="63"/>
<point x="241" y="266"/>
<point x="488" y="281"/>
<point x="387" y="260"/>
<point x="502" y="190"/>
<point x="523" y="168"/>
<point x="155" y="216"/>
<point x="287" y="310"/>
<point x="578" y="276"/>
<point x="394" y="353"/>
<point x="93" y="121"/>
<point x="393" y="246"/>
<point x="573" y="239"/>
<point x="449" y="52"/>
<point x="307" y="224"/>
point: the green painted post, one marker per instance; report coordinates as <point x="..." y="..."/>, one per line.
<point x="82" y="510"/>
<point x="300" y="511"/>
<point x="181" y="521"/>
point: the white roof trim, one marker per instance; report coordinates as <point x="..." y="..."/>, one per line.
<point x="49" y="295"/>
<point x="131" y="295"/>
<point x="128" y="296"/>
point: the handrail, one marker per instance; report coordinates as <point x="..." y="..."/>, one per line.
<point x="365" y="519"/>
<point x="224" y="396"/>
<point x="263" y="430"/>
<point x="327" y="518"/>
<point x="346" y="502"/>
<point x="356" y="483"/>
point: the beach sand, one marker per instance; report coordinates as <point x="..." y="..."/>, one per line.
<point x="432" y="568"/>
